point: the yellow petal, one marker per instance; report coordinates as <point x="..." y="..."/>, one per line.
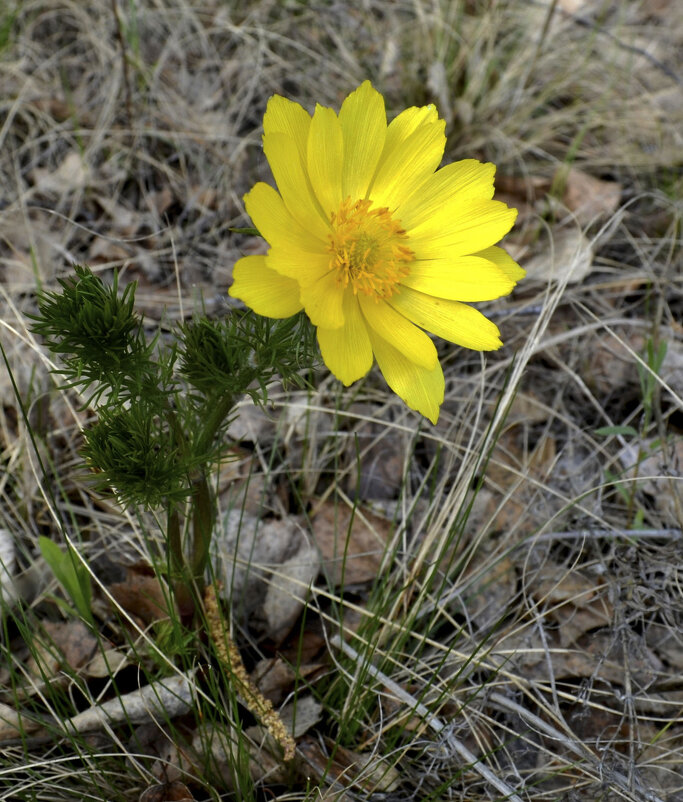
<point x="302" y="266"/>
<point x="410" y="164"/>
<point x="476" y="226"/>
<point x="452" y="320"/>
<point x="286" y="117"/>
<point x="324" y="158"/>
<point x="346" y="351"/>
<point x="464" y="278"/>
<point x="401" y="333"/>
<point x="504" y="262"/>
<point x="461" y="182"/>
<point x="263" y="290"/>
<point x="323" y="301"/>
<point x="405" y="123"/>
<point x="292" y="181"/>
<point x="422" y="389"/>
<point x="275" y="224"/>
<point x="363" y="122"/>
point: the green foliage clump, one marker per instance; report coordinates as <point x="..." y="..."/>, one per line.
<point x="163" y="403"/>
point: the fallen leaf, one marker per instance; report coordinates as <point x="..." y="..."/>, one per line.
<point x="125" y="222"/>
<point x="167" y="792"/>
<point x="74" y="640"/>
<point x="106" y="663"/>
<point x="288" y="588"/>
<point x="221" y="749"/>
<point x="523" y="647"/>
<point x="488" y="590"/>
<point x="351" y="550"/>
<point x="658" y="9"/>
<point x="204" y="197"/>
<point x="527" y="407"/>
<point x="245" y="550"/>
<point x="554" y="583"/>
<point x="141" y="594"/>
<point x="251" y="423"/>
<point x="105" y="251"/>
<point x="569" y="253"/>
<point x="345" y="767"/>
<point x="27" y="245"/>
<point x="576" y="602"/>
<point x="275" y="677"/>
<point x="609" y="366"/>
<point x="300" y="715"/>
<point x="13" y="724"/>
<point x="656" y="467"/>
<point x="71" y="174"/>
<point x="528" y="188"/>
<point x="573" y="6"/>
<point x="242" y="484"/>
<point x="667" y="643"/>
<point x="590" y="198"/>
<point x="522" y="462"/>
<point x="379" y="466"/>
<point x="671" y="371"/>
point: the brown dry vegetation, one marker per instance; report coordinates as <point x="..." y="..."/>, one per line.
<point x="522" y="638"/>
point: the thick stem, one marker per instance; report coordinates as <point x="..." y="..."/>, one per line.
<point x="203" y="517"/>
<point x="190" y="572"/>
<point x="178" y="570"/>
<point x="216" y="415"/>
<point x="175" y="542"/>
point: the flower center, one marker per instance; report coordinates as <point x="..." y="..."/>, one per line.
<point x="368" y="249"/>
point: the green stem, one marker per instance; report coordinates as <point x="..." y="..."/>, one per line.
<point x="216" y="415"/>
<point x="179" y="579"/>
<point x="203" y="517"/>
<point x="203" y="512"/>
<point x="175" y="542"/>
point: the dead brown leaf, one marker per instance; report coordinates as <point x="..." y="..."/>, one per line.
<point x="242" y="484"/>
<point x="13" y="724"/>
<point x="366" y="769"/>
<point x="590" y="198"/>
<point x="71" y="174"/>
<point x="167" y="792"/>
<point x="275" y="678"/>
<point x="515" y="462"/>
<point x="222" y="748"/>
<point x="656" y="468"/>
<point x="577" y="602"/>
<point x="288" y="588"/>
<point x="301" y="714"/>
<point x="74" y="640"/>
<point x="106" y="663"/>
<point x="141" y="594"/>
<point x="570" y="252"/>
<point x="247" y="550"/>
<point x="351" y="549"/>
<point x="106" y="251"/>
<point x="667" y="643"/>
<point x="491" y="590"/>
<point x="610" y="366"/>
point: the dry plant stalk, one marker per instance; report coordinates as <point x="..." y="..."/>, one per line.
<point x="231" y="659"/>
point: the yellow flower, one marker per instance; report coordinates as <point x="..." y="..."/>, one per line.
<point x="374" y="242"/>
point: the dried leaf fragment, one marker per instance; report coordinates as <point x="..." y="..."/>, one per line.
<point x="351" y="550"/>
<point x="167" y="792"/>
<point x="590" y="198"/>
